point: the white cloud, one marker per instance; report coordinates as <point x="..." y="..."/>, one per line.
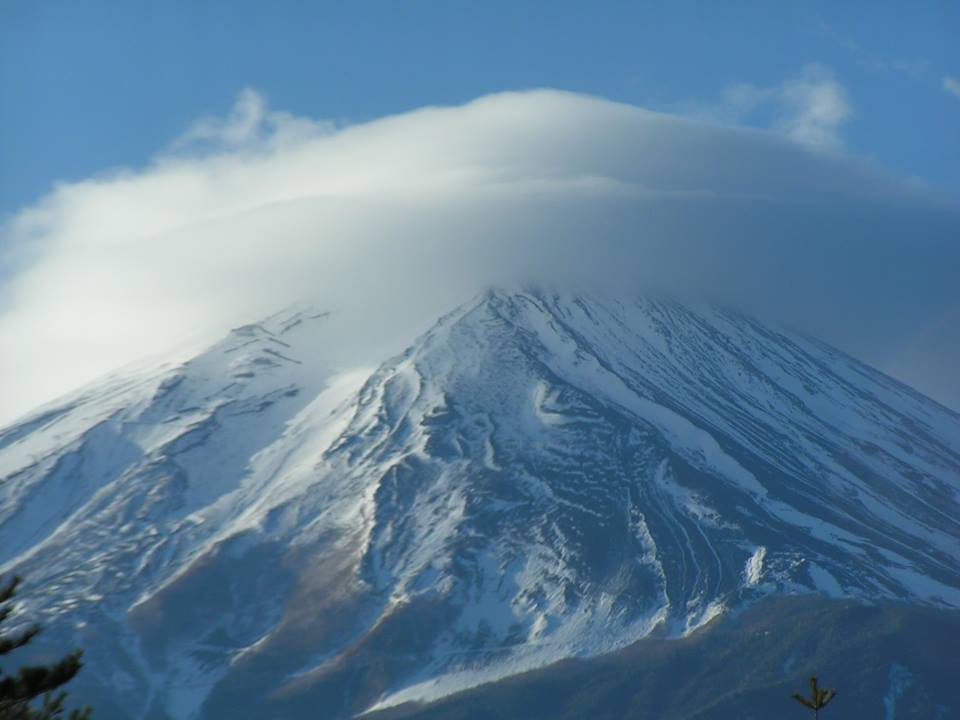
<point x="406" y="216"/>
<point x="810" y="107"/>
<point x="951" y="85"/>
<point x="249" y="124"/>
<point x="815" y="106"/>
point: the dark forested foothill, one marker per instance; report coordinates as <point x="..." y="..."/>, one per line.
<point x="884" y="658"/>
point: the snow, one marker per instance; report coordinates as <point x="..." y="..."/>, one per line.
<point x="560" y="475"/>
<point x="824" y="581"/>
<point x="753" y="570"/>
<point x="695" y="443"/>
<point x="918" y="585"/>
<point x="900" y="680"/>
<point x="699" y="619"/>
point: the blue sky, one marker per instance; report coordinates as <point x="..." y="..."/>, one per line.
<point x="94" y="85"/>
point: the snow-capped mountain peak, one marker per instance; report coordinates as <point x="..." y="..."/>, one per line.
<point x="540" y="475"/>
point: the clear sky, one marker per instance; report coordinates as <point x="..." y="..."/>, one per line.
<point x="95" y="84"/>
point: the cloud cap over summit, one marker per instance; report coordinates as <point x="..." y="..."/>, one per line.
<point x="403" y="217"/>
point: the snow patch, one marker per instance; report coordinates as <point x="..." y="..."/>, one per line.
<point x="824" y="581"/>
<point x="754" y="567"/>
<point x="899" y="680"/>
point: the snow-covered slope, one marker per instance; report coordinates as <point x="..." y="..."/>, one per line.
<point x="538" y="476"/>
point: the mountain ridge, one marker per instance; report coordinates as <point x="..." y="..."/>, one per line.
<point x="539" y="476"/>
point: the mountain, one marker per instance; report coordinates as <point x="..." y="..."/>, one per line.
<point x="889" y="661"/>
<point x="255" y="531"/>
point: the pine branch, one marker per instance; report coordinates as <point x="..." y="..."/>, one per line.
<point x="9" y="644"/>
<point x="9" y="590"/>
<point x="17" y="691"/>
<point x="33" y="681"/>
<point x="819" y="697"/>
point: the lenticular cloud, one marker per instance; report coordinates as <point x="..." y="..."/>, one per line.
<point x="396" y="220"/>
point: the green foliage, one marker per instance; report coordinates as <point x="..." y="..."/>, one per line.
<point x="819" y="697"/>
<point x="18" y="691"/>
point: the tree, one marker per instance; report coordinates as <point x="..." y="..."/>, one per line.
<point x="819" y="697"/>
<point x="31" y="682"/>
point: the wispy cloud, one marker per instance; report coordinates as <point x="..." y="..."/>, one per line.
<point x="951" y="85"/>
<point x="405" y="216"/>
<point x="915" y="68"/>
<point x="810" y="107"/>
<point x="250" y="124"/>
<point x="814" y="107"/>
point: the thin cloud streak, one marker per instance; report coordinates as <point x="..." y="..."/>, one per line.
<point x="395" y="221"/>
<point x="951" y="85"/>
